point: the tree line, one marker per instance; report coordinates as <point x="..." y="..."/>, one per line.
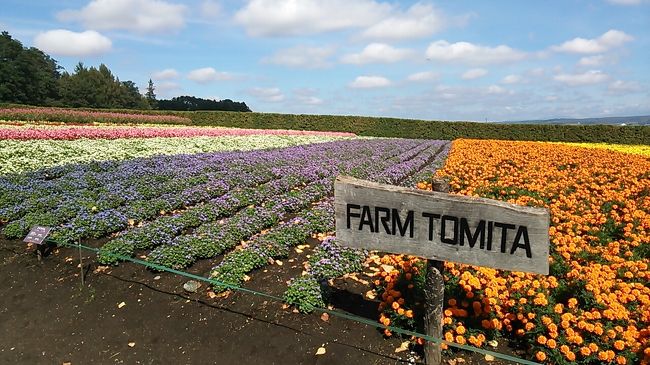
<point x="30" y="76"/>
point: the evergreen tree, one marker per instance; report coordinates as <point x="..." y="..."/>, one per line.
<point x="150" y="95"/>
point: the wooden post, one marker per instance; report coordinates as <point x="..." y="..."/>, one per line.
<point x="434" y="295"/>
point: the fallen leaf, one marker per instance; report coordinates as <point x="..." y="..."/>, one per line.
<point x="387" y="268"/>
<point x="489" y="358"/>
<point x="298" y="250"/>
<point x="370" y="294"/>
<point x="493" y="343"/>
<point x="211" y="294"/>
<point x="121" y="305"/>
<point x="67" y="363"/>
<point x="131" y="344"/>
<point x="285" y="306"/>
<point x="278" y="262"/>
<point x="321" y="351"/>
<point x="247" y="278"/>
<point x="325" y="317"/>
<point x="403" y="347"/>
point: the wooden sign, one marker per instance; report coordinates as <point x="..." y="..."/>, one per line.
<point x="37" y="235"/>
<point x="440" y="226"/>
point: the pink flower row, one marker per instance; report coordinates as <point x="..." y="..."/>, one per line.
<point x="77" y="132"/>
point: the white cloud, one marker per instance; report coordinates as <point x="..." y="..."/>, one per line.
<point x="307" y="96"/>
<point x="269" y="95"/>
<point x="496" y="89"/>
<point x="377" y="52"/>
<point x="611" y="39"/>
<point x="167" y="89"/>
<point x="474" y="73"/>
<point x="420" y="20"/>
<point x="208" y="74"/>
<point x="423" y="76"/>
<point x="625" y="2"/>
<point x="146" y="16"/>
<point x="511" y="79"/>
<point x="301" y="56"/>
<point x="292" y="17"/>
<point x="623" y="87"/>
<point x="592" y="61"/>
<point x="210" y="9"/>
<point x="310" y="100"/>
<point x="472" y="54"/>
<point x="586" y="78"/>
<point x="368" y="82"/>
<point x="166" y="74"/>
<point x="62" y="42"/>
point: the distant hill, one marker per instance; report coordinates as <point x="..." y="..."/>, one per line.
<point x="636" y="120"/>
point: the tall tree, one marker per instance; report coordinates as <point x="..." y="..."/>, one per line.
<point x="150" y="95"/>
<point x="27" y="75"/>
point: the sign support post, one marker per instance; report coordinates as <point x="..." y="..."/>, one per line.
<point x="434" y="296"/>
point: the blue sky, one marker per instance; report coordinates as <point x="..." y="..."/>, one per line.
<point x="449" y="60"/>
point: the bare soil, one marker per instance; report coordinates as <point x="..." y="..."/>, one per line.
<point x="48" y="317"/>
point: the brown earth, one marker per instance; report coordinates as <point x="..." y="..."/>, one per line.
<point x="48" y="317"/>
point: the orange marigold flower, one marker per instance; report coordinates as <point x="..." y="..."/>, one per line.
<point x="540" y="356"/>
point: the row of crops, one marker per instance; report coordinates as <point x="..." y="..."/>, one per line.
<point x="363" y="126"/>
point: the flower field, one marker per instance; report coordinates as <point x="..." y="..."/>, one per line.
<point x="242" y="199"/>
<point x="594" y="307"/>
<point x="57" y="132"/>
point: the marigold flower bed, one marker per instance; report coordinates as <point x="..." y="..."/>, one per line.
<point x="36" y="132"/>
<point x="594" y="307"/>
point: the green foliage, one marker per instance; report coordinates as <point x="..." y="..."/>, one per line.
<point x="193" y="103"/>
<point x="27" y="75"/>
<point x="406" y="128"/>
<point x="107" y="255"/>
<point x="99" y="88"/>
<point x="305" y="293"/>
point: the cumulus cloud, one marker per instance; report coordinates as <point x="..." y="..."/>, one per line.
<point x="611" y="39"/>
<point x="511" y="79"/>
<point x="62" y="42"/>
<point x="301" y="56"/>
<point x="166" y="74"/>
<point x="291" y="17"/>
<point x="377" y="53"/>
<point x="369" y="82"/>
<point x="586" y="78"/>
<point x="472" y="54"/>
<point x="145" y="16"/>
<point x="420" y="20"/>
<point x="423" y="76"/>
<point x="474" y="73"/>
<point x="269" y="95"/>
<point x="208" y="74"/>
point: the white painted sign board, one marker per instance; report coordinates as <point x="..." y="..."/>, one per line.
<point x="440" y="226"/>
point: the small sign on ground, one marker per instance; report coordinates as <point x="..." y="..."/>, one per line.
<point x="37" y="235"/>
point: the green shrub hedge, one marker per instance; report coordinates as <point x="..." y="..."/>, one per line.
<point x="408" y="128"/>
